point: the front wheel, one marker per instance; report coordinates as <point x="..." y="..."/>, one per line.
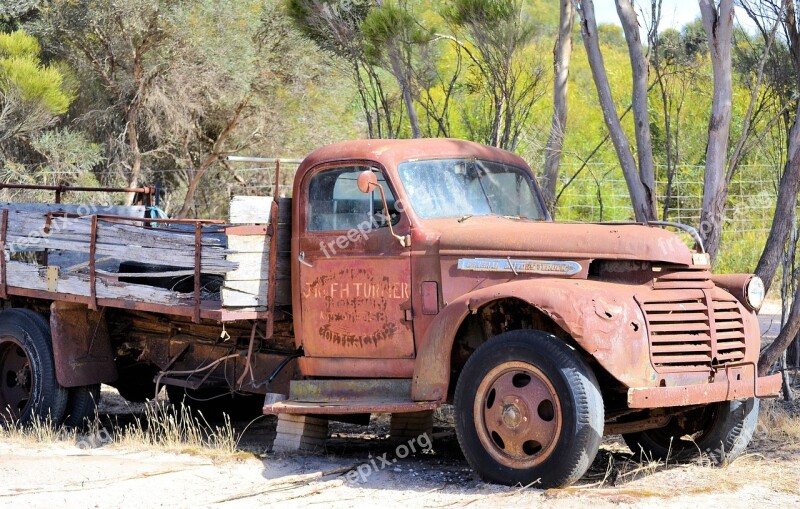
<point x="720" y="430"/>
<point x="528" y="410"/>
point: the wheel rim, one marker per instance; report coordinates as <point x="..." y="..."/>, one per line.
<point x="517" y="415"/>
<point x="16" y="379"/>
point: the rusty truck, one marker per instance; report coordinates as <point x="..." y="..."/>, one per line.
<point x="401" y="275"/>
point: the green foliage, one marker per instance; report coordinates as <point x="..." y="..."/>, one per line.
<point x="612" y="35"/>
<point x="333" y="25"/>
<point x="22" y="70"/>
<point x="67" y="152"/>
<point x="390" y="24"/>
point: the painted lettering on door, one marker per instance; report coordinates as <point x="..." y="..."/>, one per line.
<point x="357" y="306"/>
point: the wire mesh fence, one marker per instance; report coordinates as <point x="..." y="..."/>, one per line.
<point x="599" y="193"/>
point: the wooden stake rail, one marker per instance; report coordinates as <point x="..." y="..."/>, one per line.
<point x="85" y="255"/>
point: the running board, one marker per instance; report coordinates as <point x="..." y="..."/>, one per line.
<point x="360" y="396"/>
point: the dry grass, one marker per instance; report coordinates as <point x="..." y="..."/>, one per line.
<point x="780" y="420"/>
<point x="178" y="429"/>
<point x="160" y="427"/>
<point x="39" y="431"/>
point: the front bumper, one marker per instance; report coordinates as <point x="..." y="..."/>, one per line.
<point x="735" y="382"/>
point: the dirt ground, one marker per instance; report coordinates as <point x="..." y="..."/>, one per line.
<point x="36" y="474"/>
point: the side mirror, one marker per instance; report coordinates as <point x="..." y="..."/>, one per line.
<point x="367" y="181"/>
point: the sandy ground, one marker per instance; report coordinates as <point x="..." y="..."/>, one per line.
<point x="62" y="474"/>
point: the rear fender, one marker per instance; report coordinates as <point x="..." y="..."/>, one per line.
<point x="81" y="345"/>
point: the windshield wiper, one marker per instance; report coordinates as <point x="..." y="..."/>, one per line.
<point x="464" y="218"/>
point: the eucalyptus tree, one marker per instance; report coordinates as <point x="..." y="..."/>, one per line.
<point x="562" y="53"/>
<point x="337" y="28"/>
<point x="639" y="185"/>
<point x="497" y="36"/>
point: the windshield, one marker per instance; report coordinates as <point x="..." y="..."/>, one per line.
<point x="467" y="187"/>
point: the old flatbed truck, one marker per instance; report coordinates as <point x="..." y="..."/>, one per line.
<point x="401" y="276"/>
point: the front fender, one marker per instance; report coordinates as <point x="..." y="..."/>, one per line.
<point x="601" y="317"/>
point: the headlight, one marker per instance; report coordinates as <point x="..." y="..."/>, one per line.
<point x="755" y="293"/>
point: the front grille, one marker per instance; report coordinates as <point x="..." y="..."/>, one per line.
<point x="730" y="331"/>
<point x="683" y="333"/>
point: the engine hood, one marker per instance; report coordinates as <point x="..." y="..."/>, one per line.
<point x="499" y="236"/>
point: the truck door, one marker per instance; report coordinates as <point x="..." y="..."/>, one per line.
<point x="354" y="276"/>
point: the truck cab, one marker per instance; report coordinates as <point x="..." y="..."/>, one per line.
<point x="429" y="271"/>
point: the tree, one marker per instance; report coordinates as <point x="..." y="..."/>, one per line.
<point x="32" y="94"/>
<point x="124" y="45"/>
<point x="787" y="86"/>
<point x="495" y="35"/>
<point x="785" y="14"/>
<point x="718" y="25"/>
<point x="218" y="91"/>
<point x="337" y="29"/>
<point x="641" y="117"/>
<point x="676" y="71"/>
<point x="642" y="202"/>
<point x="555" y="142"/>
<point x="392" y="34"/>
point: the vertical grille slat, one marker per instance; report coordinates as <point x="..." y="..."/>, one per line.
<point x="683" y="333"/>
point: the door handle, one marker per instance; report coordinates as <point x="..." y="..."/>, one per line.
<point x="302" y="259"/>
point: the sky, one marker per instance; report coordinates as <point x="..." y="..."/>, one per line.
<point x="674" y="13"/>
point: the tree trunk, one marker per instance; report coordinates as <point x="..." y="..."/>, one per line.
<point x="136" y="154"/>
<point x="641" y="118"/>
<point x="216" y="153"/>
<point x="561" y="57"/>
<point x="771" y="354"/>
<point x="787" y="200"/>
<point x="718" y="26"/>
<point x="642" y="206"/>
<point x="405" y="89"/>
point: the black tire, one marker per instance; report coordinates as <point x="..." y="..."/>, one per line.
<point x="28" y="386"/>
<point x="551" y="446"/>
<point x="722" y="431"/>
<point x="82" y="406"/>
<point x="81" y="401"/>
<point x="214" y="403"/>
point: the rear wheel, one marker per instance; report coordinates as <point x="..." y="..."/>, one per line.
<point x="82" y="405"/>
<point x="28" y="386"/>
<point x="81" y="401"/>
<point x="528" y="410"/>
<point x="720" y="430"/>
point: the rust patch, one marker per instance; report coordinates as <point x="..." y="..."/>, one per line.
<point x="81" y="345"/>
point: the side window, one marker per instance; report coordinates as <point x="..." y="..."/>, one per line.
<point x="335" y="203"/>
